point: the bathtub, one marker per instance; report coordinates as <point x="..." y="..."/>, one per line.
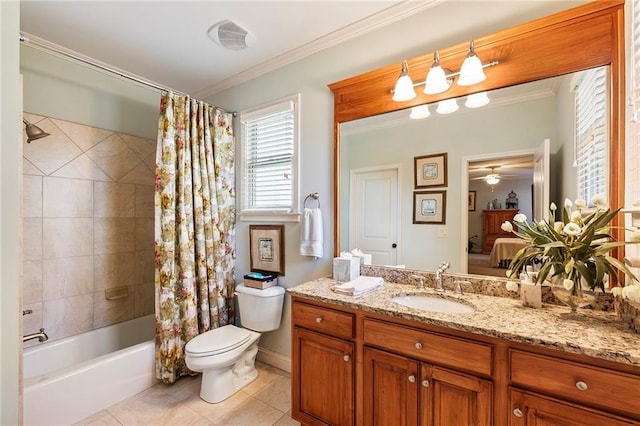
<point x="69" y="379"/>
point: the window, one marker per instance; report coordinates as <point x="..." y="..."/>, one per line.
<point x="269" y="163"/>
<point x="591" y="134"/>
<point x="632" y="154"/>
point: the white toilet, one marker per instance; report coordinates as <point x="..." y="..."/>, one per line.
<point x="226" y="355"/>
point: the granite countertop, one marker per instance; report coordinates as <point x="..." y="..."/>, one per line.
<point x="593" y="333"/>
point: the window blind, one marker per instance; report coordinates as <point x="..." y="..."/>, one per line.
<point x="591" y="134"/>
<point x="269" y="137"/>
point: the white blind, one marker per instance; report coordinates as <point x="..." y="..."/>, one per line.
<point x="635" y="52"/>
<point x="591" y="134"/>
<point x="269" y="149"/>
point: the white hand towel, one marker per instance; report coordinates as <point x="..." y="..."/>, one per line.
<point x="311" y="233"/>
<point x="360" y="285"/>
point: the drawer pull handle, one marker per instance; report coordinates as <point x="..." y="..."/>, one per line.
<point x="425" y="383"/>
<point x="412" y="378"/>
<point x="346" y="358"/>
<point x="418" y="346"/>
<point x="582" y="386"/>
<point x="517" y="412"/>
<point x="319" y="320"/>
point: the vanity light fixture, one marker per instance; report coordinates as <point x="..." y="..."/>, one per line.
<point x="419" y="112"/>
<point x="438" y="79"/>
<point x="471" y="71"/>
<point x="447" y="106"/>
<point x="477" y="100"/>
<point x="404" y="86"/>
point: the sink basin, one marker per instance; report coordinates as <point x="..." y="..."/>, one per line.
<point x="433" y="304"/>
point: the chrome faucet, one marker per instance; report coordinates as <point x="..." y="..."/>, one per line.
<point x="42" y="336"/>
<point x="441" y="268"/>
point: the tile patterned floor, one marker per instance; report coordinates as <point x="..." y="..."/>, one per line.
<point x="266" y="401"/>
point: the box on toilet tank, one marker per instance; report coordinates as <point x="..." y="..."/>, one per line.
<point x="346" y="269"/>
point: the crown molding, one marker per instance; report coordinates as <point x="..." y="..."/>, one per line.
<point x="381" y="19"/>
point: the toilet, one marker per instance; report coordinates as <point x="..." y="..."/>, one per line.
<point x="226" y="355"/>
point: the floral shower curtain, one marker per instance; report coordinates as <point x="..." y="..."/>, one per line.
<point x="194" y="227"/>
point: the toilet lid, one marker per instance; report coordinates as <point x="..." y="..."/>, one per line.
<point x="218" y="340"/>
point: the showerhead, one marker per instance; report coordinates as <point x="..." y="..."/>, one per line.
<point x="33" y="132"/>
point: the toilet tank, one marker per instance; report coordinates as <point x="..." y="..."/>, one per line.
<point x="260" y="310"/>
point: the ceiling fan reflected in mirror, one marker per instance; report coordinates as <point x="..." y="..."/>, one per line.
<point x="492" y="178"/>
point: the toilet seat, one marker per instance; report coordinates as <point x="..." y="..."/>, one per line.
<point x="217" y="341"/>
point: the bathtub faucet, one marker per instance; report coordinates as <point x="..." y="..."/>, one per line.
<point x="42" y="336"/>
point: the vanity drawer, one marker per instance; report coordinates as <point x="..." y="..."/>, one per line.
<point x="572" y="380"/>
<point x="328" y="321"/>
<point x="431" y="347"/>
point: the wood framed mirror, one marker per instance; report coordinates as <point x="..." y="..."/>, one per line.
<point x="577" y="39"/>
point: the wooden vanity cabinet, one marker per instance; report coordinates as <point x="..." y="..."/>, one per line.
<point x="411" y="390"/>
<point x="550" y="390"/>
<point x="356" y="367"/>
<point x="530" y="409"/>
<point x="323" y="366"/>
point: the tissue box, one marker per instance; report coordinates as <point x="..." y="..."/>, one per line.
<point x="346" y="269"/>
<point x="365" y="259"/>
<point x="260" y="280"/>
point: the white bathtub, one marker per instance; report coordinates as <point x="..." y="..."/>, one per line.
<point x="73" y="378"/>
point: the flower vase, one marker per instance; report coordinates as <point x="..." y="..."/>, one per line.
<point x="574" y="298"/>
<point x="531" y="295"/>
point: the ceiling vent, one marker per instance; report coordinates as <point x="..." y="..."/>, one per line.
<point x="231" y="35"/>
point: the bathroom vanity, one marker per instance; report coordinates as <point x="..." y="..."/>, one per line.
<point x="371" y="361"/>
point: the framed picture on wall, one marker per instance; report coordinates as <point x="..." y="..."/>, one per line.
<point x="472" y="201"/>
<point x="266" y="248"/>
<point x="429" y="207"/>
<point x="430" y="170"/>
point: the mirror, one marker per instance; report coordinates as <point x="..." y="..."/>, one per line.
<point x="497" y="128"/>
<point x="517" y="119"/>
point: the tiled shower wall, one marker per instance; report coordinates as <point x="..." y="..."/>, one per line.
<point x="87" y="229"/>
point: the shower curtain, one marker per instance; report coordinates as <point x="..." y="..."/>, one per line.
<point x="194" y="227"/>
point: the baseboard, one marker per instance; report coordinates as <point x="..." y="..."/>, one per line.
<point x="275" y="359"/>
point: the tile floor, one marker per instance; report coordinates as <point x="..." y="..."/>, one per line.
<point x="266" y="401"/>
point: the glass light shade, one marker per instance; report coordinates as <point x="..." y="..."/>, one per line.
<point x="447" y="106"/>
<point x="436" y="81"/>
<point x="404" y="89"/>
<point x="471" y="71"/>
<point x="404" y="86"/>
<point x="492" y="179"/>
<point x="419" y="112"/>
<point x="477" y="100"/>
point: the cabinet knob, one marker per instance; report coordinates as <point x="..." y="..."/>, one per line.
<point x="418" y="346"/>
<point x="582" y="385"/>
<point x="412" y="378"/>
<point x="319" y="320"/>
<point x="346" y="358"/>
<point x="517" y="412"/>
<point x="425" y="383"/>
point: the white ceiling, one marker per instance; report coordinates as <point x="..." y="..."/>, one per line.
<point x="166" y="42"/>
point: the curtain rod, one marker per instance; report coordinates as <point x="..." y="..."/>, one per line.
<point x="111" y="70"/>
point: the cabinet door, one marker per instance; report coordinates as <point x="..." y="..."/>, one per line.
<point x="455" y="399"/>
<point x="529" y="409"/>
<point x="390" y="389"/>
<point x="323" y="375"/>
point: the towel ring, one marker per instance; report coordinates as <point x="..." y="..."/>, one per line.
<point x="313" y="196"/>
